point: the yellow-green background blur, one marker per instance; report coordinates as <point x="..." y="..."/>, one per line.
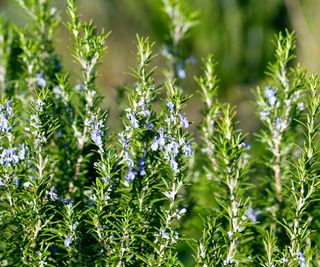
<point x="237" y="32"/>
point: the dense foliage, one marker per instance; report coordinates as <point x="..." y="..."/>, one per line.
<point x="74" y="194"/>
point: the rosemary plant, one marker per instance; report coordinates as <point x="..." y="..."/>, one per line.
<point x="73" y="193"/>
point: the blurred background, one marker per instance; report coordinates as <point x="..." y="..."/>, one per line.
<point x="238" y="33"/>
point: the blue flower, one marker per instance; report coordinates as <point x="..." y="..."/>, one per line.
<point x="144" y="111"/>
<point x="141" y="164"/>
<point x="150" y="126"/>
<point x="124" y="141"/>
<point x="270" y="95"/>
<point x="130" y="176"/>
<point x="66" y="201"/>
<point x="173" y="147"/>
<point x="57" y="91"/>
<point x="40" y="80"/>
<point x="16" y="182"/>
<point x="5" y="113"/>
<point x="79" y="87"/>
<point x="9" y="157"/>
<point x="181" y="71"/>
<point x="155" y="145"/>
<point x="68" y="241"/>
<point x="174" y="165"/>
<point x="278" y="123"/>
<point x="187" y="149"/>
<point x="183" y="120"/>
<point x="9" y="108"/>
<point x="96" y="137"/>
<point x="128" y="159"/>
<point x="161" y="139"/>
<point x="170" y="105"/>
<point x="4" y="124"/>
<point x="253" y="214"/>
<point x="264" y="115"/>
<point x="133" y="120"/>
<point x="96" y="133"/>
<point x="22" y="153"/>
<point x="302" y="259"/>
<point x="1" y="182"/>
<point x="53" y="194"/>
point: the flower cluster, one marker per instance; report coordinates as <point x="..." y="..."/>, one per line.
<point x="12" y="156"/>
<point x="6" y="113"/>
<point x="268" y="102"/>
<point x="171" y="147"/>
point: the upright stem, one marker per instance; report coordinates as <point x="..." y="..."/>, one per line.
<point x="277" y="168"/>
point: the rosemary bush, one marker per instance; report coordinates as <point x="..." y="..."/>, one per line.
<point x="74" y="194"/>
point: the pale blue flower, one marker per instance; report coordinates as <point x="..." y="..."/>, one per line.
<point x="133" y="120"/>
<point x="144" y="111"/>
<point x="270" y="95"/>
<point x="253" y="214"/>
<point x="155" y="145"/>
<point x="181" y="71"/>
<point x="5" y="113"/>
<point x="57" y="91"/>
<point x="302" y="259"/>
<point x="27" y="184"/>
<point x="96" y="137"/>
<point x="264" y="115"/>
<point x="4" y="124"/>
<point x="22" y="153"/>
<point x="79" y="87"/>
<point x="301" y="106"/>
<point x="68" y="241"/>
<point x="9" y="108"/>
<point x="170" y="105"/>
<point x="66" y="201"/>
<point x="174" y="165"/>
<point x="161" y="139"/>
<point x="187" y="149"/>
<point x="53" y="194"/>
<point x="172" y="147"/>
<point x="127" y="158"/>
<point x="278" y="123"/>
<point x="9" y="157"/>
<point x="40" y="80"/>
<point x="141" y="164"/>
<point x="130" y="176"/>
<point x="150" y="126"/>
<point x="124" y="141"/>
<point x="183" y="120"/>
<point x="16" y="181"/>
